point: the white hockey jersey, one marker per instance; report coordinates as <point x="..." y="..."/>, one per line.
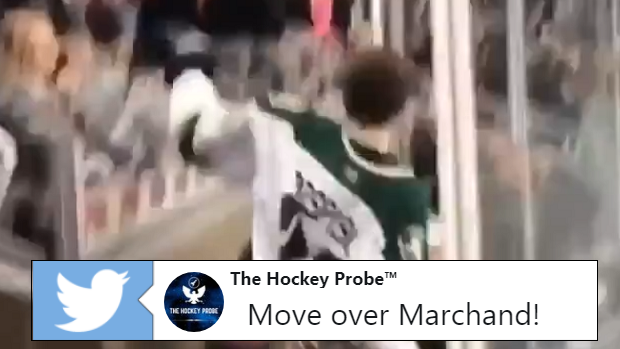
<point x="316" y="196"/>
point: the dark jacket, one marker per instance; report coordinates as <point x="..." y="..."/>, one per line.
<point x="24" y="210"/>
<point x="221" y="19"/>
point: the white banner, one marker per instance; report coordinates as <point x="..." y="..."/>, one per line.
<point x="374" y="301"/>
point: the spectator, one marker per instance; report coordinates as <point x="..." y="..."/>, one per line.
<point x="55" y="9"/>
<point x="30" y="55"/>
<point x="29" y="102"/>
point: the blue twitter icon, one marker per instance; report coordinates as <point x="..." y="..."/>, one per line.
<point x="91" y="300"/>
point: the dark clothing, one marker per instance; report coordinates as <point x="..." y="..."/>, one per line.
<point x="103" y="21"/>
<point x="256" y="18"/>
<point x="24" y="210"/>
<point x="220" y="19"/>
<point x="152" y="44"/>
<point x="159" y="21"/>
<point x="341" y="16"/>
<point x="423" y="153"/>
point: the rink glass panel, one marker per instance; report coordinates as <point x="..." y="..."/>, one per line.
<point x="547" y="91"/>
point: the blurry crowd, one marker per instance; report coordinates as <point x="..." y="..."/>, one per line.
<point x="97" y="75"/>
<point x="569" y="85"/>
<point x="56" y="88"/>
<point x="101" y="71"/>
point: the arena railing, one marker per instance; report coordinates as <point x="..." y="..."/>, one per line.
<point x="123" y="201"/>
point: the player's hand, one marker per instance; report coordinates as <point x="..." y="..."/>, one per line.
<point x="194" y="95"/>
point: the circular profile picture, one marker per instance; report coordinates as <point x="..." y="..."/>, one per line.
<point x="194" y="302"/>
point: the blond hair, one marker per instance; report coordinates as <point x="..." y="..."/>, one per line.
<point x="79" y="55"/>
<point x="29" y="43"/>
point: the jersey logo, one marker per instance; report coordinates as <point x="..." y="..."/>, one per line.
<point x="314" y="226"/>
<point x="411" y="242"/>
<point x="351" y="174"/>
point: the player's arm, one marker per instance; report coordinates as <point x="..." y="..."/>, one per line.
<point x="287" y="107"/>
<point x="194" y="100"/>
<point x="209" y="135"/>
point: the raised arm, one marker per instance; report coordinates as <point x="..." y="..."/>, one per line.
<point x="211" y="134"/>
<point x="194" y="96"/>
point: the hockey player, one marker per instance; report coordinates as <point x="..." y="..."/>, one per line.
<point x="322" y="191"/>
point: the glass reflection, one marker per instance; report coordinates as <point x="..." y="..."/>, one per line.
<point x="549" y="151"/>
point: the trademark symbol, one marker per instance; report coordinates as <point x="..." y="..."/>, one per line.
<point x="390" y="275"/>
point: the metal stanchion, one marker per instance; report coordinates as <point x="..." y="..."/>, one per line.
<point x="466" y="134"/>
<point x="615" y="8"/>
<point x="519" y="122"/>
<point x="376" y="22"/>
<point x="397" y="25"/>
<point x="457" y="141"/>
<point x="442" y="86"/>
<point x="65" y="193"/>
<point x="82" y="237"/>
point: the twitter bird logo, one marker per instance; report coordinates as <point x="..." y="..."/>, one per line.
<point x="91" y="307"/>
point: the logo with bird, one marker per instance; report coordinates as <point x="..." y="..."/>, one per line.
<point x="106" y="287"/>
<point x="194" y="292"/>
<point x="194" y="301"/>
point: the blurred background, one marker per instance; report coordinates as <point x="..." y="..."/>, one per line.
<point x="515" y="120"/>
